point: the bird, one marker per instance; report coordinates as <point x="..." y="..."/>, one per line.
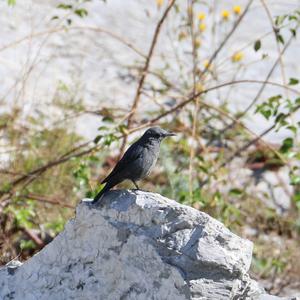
<point x="138" y="161"/>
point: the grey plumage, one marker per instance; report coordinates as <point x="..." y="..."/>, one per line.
<point x="138" y="160"/>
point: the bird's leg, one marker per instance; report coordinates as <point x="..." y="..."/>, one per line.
<point x="135" y="184"/>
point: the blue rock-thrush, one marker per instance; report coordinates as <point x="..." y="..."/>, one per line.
<point x="138" y="161"/>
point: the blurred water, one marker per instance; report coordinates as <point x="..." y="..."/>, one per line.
<point x="91" y="62"/>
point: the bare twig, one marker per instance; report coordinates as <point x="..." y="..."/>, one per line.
<point x="63" y="29"/>
<point x="228" y="116"/>
<point x="38" y="171"/>
<point x="195" y="114"/>
<point x="264" y="4"/>
<point x="230" y="33"/>
<point x="212" y="58"/>
<point x="144" y="72"/>
<point x="265" y="82"/>
<point x="33" y="237"/>
<point x="244" y="147"/>
<point x="190" y="99"/>
<point x="46" y="199"/>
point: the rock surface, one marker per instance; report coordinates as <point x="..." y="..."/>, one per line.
<point x="136" y="245"/>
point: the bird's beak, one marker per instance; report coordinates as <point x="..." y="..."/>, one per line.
<point x="170" y="134"/>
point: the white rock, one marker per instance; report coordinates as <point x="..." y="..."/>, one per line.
<point x="136" y="245"/>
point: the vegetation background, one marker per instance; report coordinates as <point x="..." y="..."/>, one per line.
<point x="81" y="79"/>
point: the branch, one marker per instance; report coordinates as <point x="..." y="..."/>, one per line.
<point x="38" y="171"/>
<point x="63" y="29"/>
<point x="226" y="38"/>
<point x="243" y="148"/>
<point x="276" y="40"/>
<point x="196" y="109"/>
<point x="190" y="99"/>
<point x="266" y="80"/>
<point x="144" y="72"/>
<point x="40" y="243"/>
<point x="46" y="199"/>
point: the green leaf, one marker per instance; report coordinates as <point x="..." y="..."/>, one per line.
<point x="56" y="225"/>
<point x="64" y="6"/>
<point x="280" y="19"/>
<point x="97" y="139"/>
<point x="293" y="81"/>
<point x="203" y="169"/>
<point x="27" y="245"/>
<point x="81" y="12"/>
<point x="297" y="101"/>
<point x="5" y="187"/>
<point x="275" y="98"/>
<point x="296" y="197"/>
<point x="281" y="119"/>
<point x="292" y="128"/>
<point x="108" y="119"/>
<point x="292" y="18"/>
<point x="265" y="110"/>
<point x="293" y="31"/>
<point x="257" y="45"/>
<point x="235" y="192"/>
<point x="108" y="139"/>
<point x="102" y="128"/>
<point x="280" y="39"/>
<point x="287" y="144"/>
<point x="24" y="216"/>
<point x="11" y="2"/>
<point x="295" y="179"/>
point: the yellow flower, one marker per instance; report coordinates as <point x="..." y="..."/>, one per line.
<point x="159" y="3"/>
<point x="199" y="87"/>
<point x="202" y="27"/>
<point x="225" y="14"/>
<point x="237" y="9"/>
<point x="237" y="56"/>
<point x="207" y="65"/>
<point x="201" y="16"/>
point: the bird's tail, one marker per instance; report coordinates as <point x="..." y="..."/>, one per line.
<point x="106" y="188"/>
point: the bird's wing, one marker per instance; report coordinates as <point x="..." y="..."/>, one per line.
<point x="132" y="154"/>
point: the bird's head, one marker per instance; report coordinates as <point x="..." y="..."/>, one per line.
<point x="157" y="133"/>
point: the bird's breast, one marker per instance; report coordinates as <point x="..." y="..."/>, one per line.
<point x="146" y="161"/>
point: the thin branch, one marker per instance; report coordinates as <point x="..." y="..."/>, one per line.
<point x="61" y="29"/>
<point x="235" y="26"/>
<point x="76" y="149"/>
<point x="227" y="115"/>
<point x="41" y="198"/>
<point x="38" y="171"/>
<point x="266" y="80"/>
<point x="247" y="45"/>
<point x="244" y="147"/>
<point x="196" y="109"/>
<point x="40" y="243"/>
<point x="264" y="4"/>
<point x="190" y="99"/>
<point x="144" y="72"/>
